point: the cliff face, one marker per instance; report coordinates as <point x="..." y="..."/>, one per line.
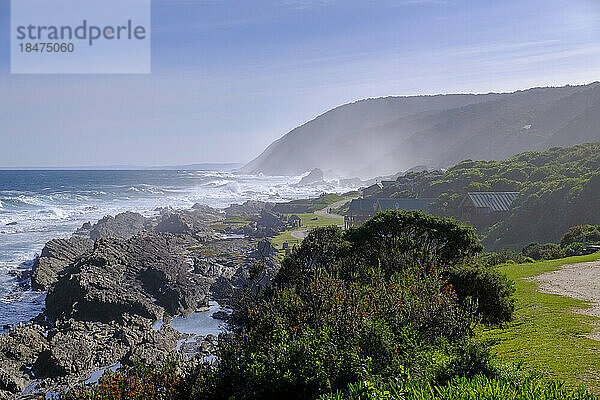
<point x="386" y="135"/>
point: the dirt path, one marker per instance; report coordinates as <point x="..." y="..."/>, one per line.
<point x="299" y="234"/>
<point x="579" y="281"/>
<point x="323" y="213"/>
<point x="337" y="204"/>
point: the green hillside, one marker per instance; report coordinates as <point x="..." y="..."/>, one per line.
<point x="559" y="188"/>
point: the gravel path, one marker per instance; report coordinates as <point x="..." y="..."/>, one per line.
<point x="579" y="281"/>
<point x="323" y="213"/>
<point x="300" y="234"/>
<point x="338" y="204"/>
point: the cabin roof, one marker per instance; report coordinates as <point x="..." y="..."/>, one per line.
<point x="367" y="204"/>
<point x="495" y="201"/>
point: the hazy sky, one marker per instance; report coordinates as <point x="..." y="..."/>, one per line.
<point x="230" y="76"/>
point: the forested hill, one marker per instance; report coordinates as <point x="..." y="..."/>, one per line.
<point x="382" y="136"/>
<point x="559" y="188"/>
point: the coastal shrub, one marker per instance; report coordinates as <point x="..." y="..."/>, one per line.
<point x="396" y="239"/>
<point x="321" y="251"/>
<point x="466" y="360"/>
<point x="503" y="256"/>
<point x="393" y="240"/>
<point x="192" y="384"/>
<point x="576" y="234"/>
<point x="485" y="289"/>
<point x="547" y="251"/>
<point x="324" y="333"/>
<point x="141" y="383"/>
<point x="574" y="249"/>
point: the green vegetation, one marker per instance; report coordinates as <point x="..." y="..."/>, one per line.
<point x="314" y="204"/>
<point x="546" y="333"/>
<point x="389" y="310"/>
<point x="476" y="388"/>
<point x="559" y="189"/>
<point x="231" y="221"/>
<point x="308" y="221"/>
<point x="576" y="234"/>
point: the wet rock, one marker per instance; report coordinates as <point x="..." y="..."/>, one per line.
<point x="19" y="349"/>
<point x="155" y="348"/>
<point x="57" y="255"/>
<point x="222" y="315"/>
<point x="145" y="276"/>
<point x="11" y="383"/>
<point x="23" y="343"/>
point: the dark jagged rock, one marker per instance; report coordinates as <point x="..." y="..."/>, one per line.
<point x="208" y="211"/>
<point x="191" y="222"/>
<point x="174" y="223"/>
<point x="56" y="256"/>
<point x="10" y="382"/>
<point x="264" y="250"/>
<point x="105" y="295"/>
<point x="123" y="226"/>
<point x="23" y="343"/>
<point x="154" y="349"/>
<point x="143" y="276"/>
<point x="19" y="349"/>
<point x="222" y="315"/>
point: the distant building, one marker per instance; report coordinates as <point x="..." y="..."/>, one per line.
<point x="361" y="210"/>
<point x="387" y="183"/>
<point x="486" y="208"/>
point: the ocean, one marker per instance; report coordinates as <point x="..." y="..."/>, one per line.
<point x="36" y="206"/>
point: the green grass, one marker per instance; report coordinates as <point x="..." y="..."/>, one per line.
<point x="231" y="221"/>
<point x="237" y="220"/>
<point x="546" y="332"/>
<point x="323" y="201"/>
<point x="477" y="388"/>
<point x="308" y="222"/>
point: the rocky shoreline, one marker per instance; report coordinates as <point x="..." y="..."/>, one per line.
<point x="109" y="284"/>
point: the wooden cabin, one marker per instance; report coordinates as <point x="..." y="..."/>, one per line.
<point x="486" y="208"/>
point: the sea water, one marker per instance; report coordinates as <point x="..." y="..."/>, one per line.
<point x="36" y="206"/>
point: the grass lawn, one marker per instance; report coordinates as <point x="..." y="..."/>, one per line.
<point x="231" y="221"/>
<point x="309" y="221"/>
<point x="318" y="203"/>
<point x="546" y="334"/>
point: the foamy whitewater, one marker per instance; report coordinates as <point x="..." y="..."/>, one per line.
<point x="36" y="206"/>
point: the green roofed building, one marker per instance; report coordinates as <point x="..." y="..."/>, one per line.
<point x="486" y="208"/>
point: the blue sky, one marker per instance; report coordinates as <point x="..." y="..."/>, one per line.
<point x="230" y="76"/>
